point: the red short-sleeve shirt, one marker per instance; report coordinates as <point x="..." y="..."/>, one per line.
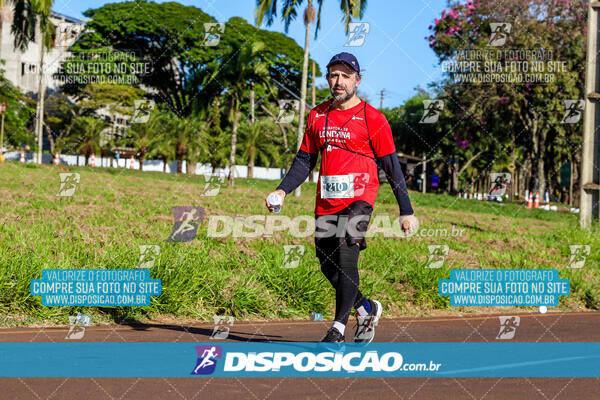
<point x="348" y="169"/>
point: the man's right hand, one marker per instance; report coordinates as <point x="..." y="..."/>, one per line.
<point x="279" y="192"/>
<point x="409" y="223"/>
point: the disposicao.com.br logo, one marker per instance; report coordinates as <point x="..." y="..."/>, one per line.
<point x="323" y="362"/>
<point x="318" y="362"/>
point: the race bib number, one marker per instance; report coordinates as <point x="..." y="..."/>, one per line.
<point x="337" y="187"/>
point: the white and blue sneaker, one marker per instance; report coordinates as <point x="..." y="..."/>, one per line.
<point x="365" y="326"/>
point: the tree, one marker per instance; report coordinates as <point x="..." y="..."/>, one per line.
<point x="18" y="113"/>
<point x="187" y="139"/>
<point x="198" y="145"/>
<point x="164" y="146"/>
<point x="86" y="136"/>
<point x="216" y="138"/>
<point x="244" y="66"/>
<point x="268" y="9"/>
<point x="3" y="14"/>
<point x="143" y="137"/>
<point x="165" y="45"/>
<point x="165" y="38"/>
<point x="258" y="142"/>
<point x="518" y="114"/>
<point x="107" y="98"/>
<point x="27" y="15"/>
<point x="60" y="111"/>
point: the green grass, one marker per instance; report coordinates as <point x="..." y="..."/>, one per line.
<point x="114" y="211"/>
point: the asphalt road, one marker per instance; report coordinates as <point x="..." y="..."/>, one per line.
<point x="534" y="327"/>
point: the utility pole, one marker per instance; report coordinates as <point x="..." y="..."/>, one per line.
<point x="311" y="175"/>
<point x="381" y="94"/>
<point x="511" y="167"/>
<point x="590" y="187"/>
<point x="570" y="183"/>
<point x="2" y="111"/>
<point x="39" y="127"/>
<point x="309" y="16"/>
<point x="424" y="174"/>
<point x="252" y="102"/>
<point x="314" y="89"/>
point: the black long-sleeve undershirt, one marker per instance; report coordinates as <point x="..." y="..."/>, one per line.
<point x="305" y="162"/>
<point x="393" y="172"/>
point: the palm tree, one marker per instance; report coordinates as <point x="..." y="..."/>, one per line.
<point x="86" y="135"/>
<point x="27" y="15"/>
<point x="187" y="139"/>
<point x="268" y="9"/>
<point x="257" y="142"/>
<point x="198" y="146"/>
<point x="144" y="136"/>
<point x="245" y="65"/>
<point x="217" y="139"/>
<point x="164" y="147"/>
<point x="3" y="15"/>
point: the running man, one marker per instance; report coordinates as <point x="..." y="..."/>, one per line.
<point x="350" y="135"/>
<point x="206" y="360"/>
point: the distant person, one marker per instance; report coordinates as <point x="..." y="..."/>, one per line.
<point x="410" y="181"/>
<point x="435" y="183"/>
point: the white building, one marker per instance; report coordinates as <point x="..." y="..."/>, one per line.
<point x="21" y="67"/>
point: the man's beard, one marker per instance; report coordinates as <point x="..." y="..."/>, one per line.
<point x="342" y="98"/>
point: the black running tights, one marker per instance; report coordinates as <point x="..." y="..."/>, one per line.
<point x="339" y="263"/>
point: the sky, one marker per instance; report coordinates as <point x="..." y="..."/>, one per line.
<point x="394" y="57"/>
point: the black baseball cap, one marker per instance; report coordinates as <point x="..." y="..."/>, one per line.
<point x="346" y="58"/>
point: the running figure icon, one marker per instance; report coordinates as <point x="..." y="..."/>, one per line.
<point x="207" y="359"/>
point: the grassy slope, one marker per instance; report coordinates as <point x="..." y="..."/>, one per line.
<point x="114" y="211"/>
